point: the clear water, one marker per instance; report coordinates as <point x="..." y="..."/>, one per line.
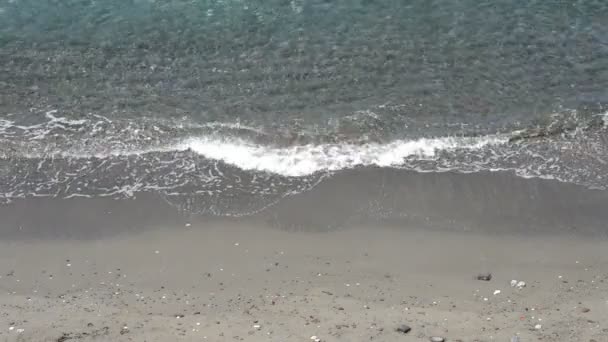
<point x="235" y="104"/>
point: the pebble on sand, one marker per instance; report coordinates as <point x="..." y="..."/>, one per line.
<point x="484" y="276"/>
<point x="519" y="284"/>
<point x="403" y="328"/>
<point x="436" y="339"/>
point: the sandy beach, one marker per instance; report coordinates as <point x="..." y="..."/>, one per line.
<point x="231" y="281"/>
<point x="303" y="170"/>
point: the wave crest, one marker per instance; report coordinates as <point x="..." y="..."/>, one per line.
<point x="304" y="160"/>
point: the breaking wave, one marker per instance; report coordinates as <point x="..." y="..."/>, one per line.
<point x="297" y="161"/>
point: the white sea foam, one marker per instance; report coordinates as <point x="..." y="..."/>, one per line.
<point x="307" y="159"/>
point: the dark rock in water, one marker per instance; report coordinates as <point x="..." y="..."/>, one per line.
<point x="484" y="276"/>
<point x="403" y="328"/>
<point x="437" y="339"/>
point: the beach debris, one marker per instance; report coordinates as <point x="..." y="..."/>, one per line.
<point x="20" y="330"/>
<point x="403" y="328"/>
<point x="518" y="283"/>
<point x="11" y="328"/>
<point x="538" y="327"/>
<point x="496" y="292"/>
<point x="436" y="339"/>
<point x="124" y="330"/>
<point x="188" y="224"/>
<point x="484" y="276"/>
<point x="257" y="327"/>
<point x="315" y="338"/>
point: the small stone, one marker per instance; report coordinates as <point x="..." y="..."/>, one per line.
<point x="403" y="328"/>
<point x="484" y="276"/>
<point x="436" y="339"/>
<point x="519" y="284"/>
<point x="585" y="310"/>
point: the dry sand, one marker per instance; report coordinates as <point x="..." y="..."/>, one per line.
<point x="245" y="282"/>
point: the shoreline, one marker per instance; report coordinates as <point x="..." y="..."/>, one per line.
<point x="494" y="203"/>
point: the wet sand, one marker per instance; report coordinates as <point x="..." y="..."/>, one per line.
<point x="135" y="270"/>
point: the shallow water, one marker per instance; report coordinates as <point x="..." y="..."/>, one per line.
<point x="232" y="106"/>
